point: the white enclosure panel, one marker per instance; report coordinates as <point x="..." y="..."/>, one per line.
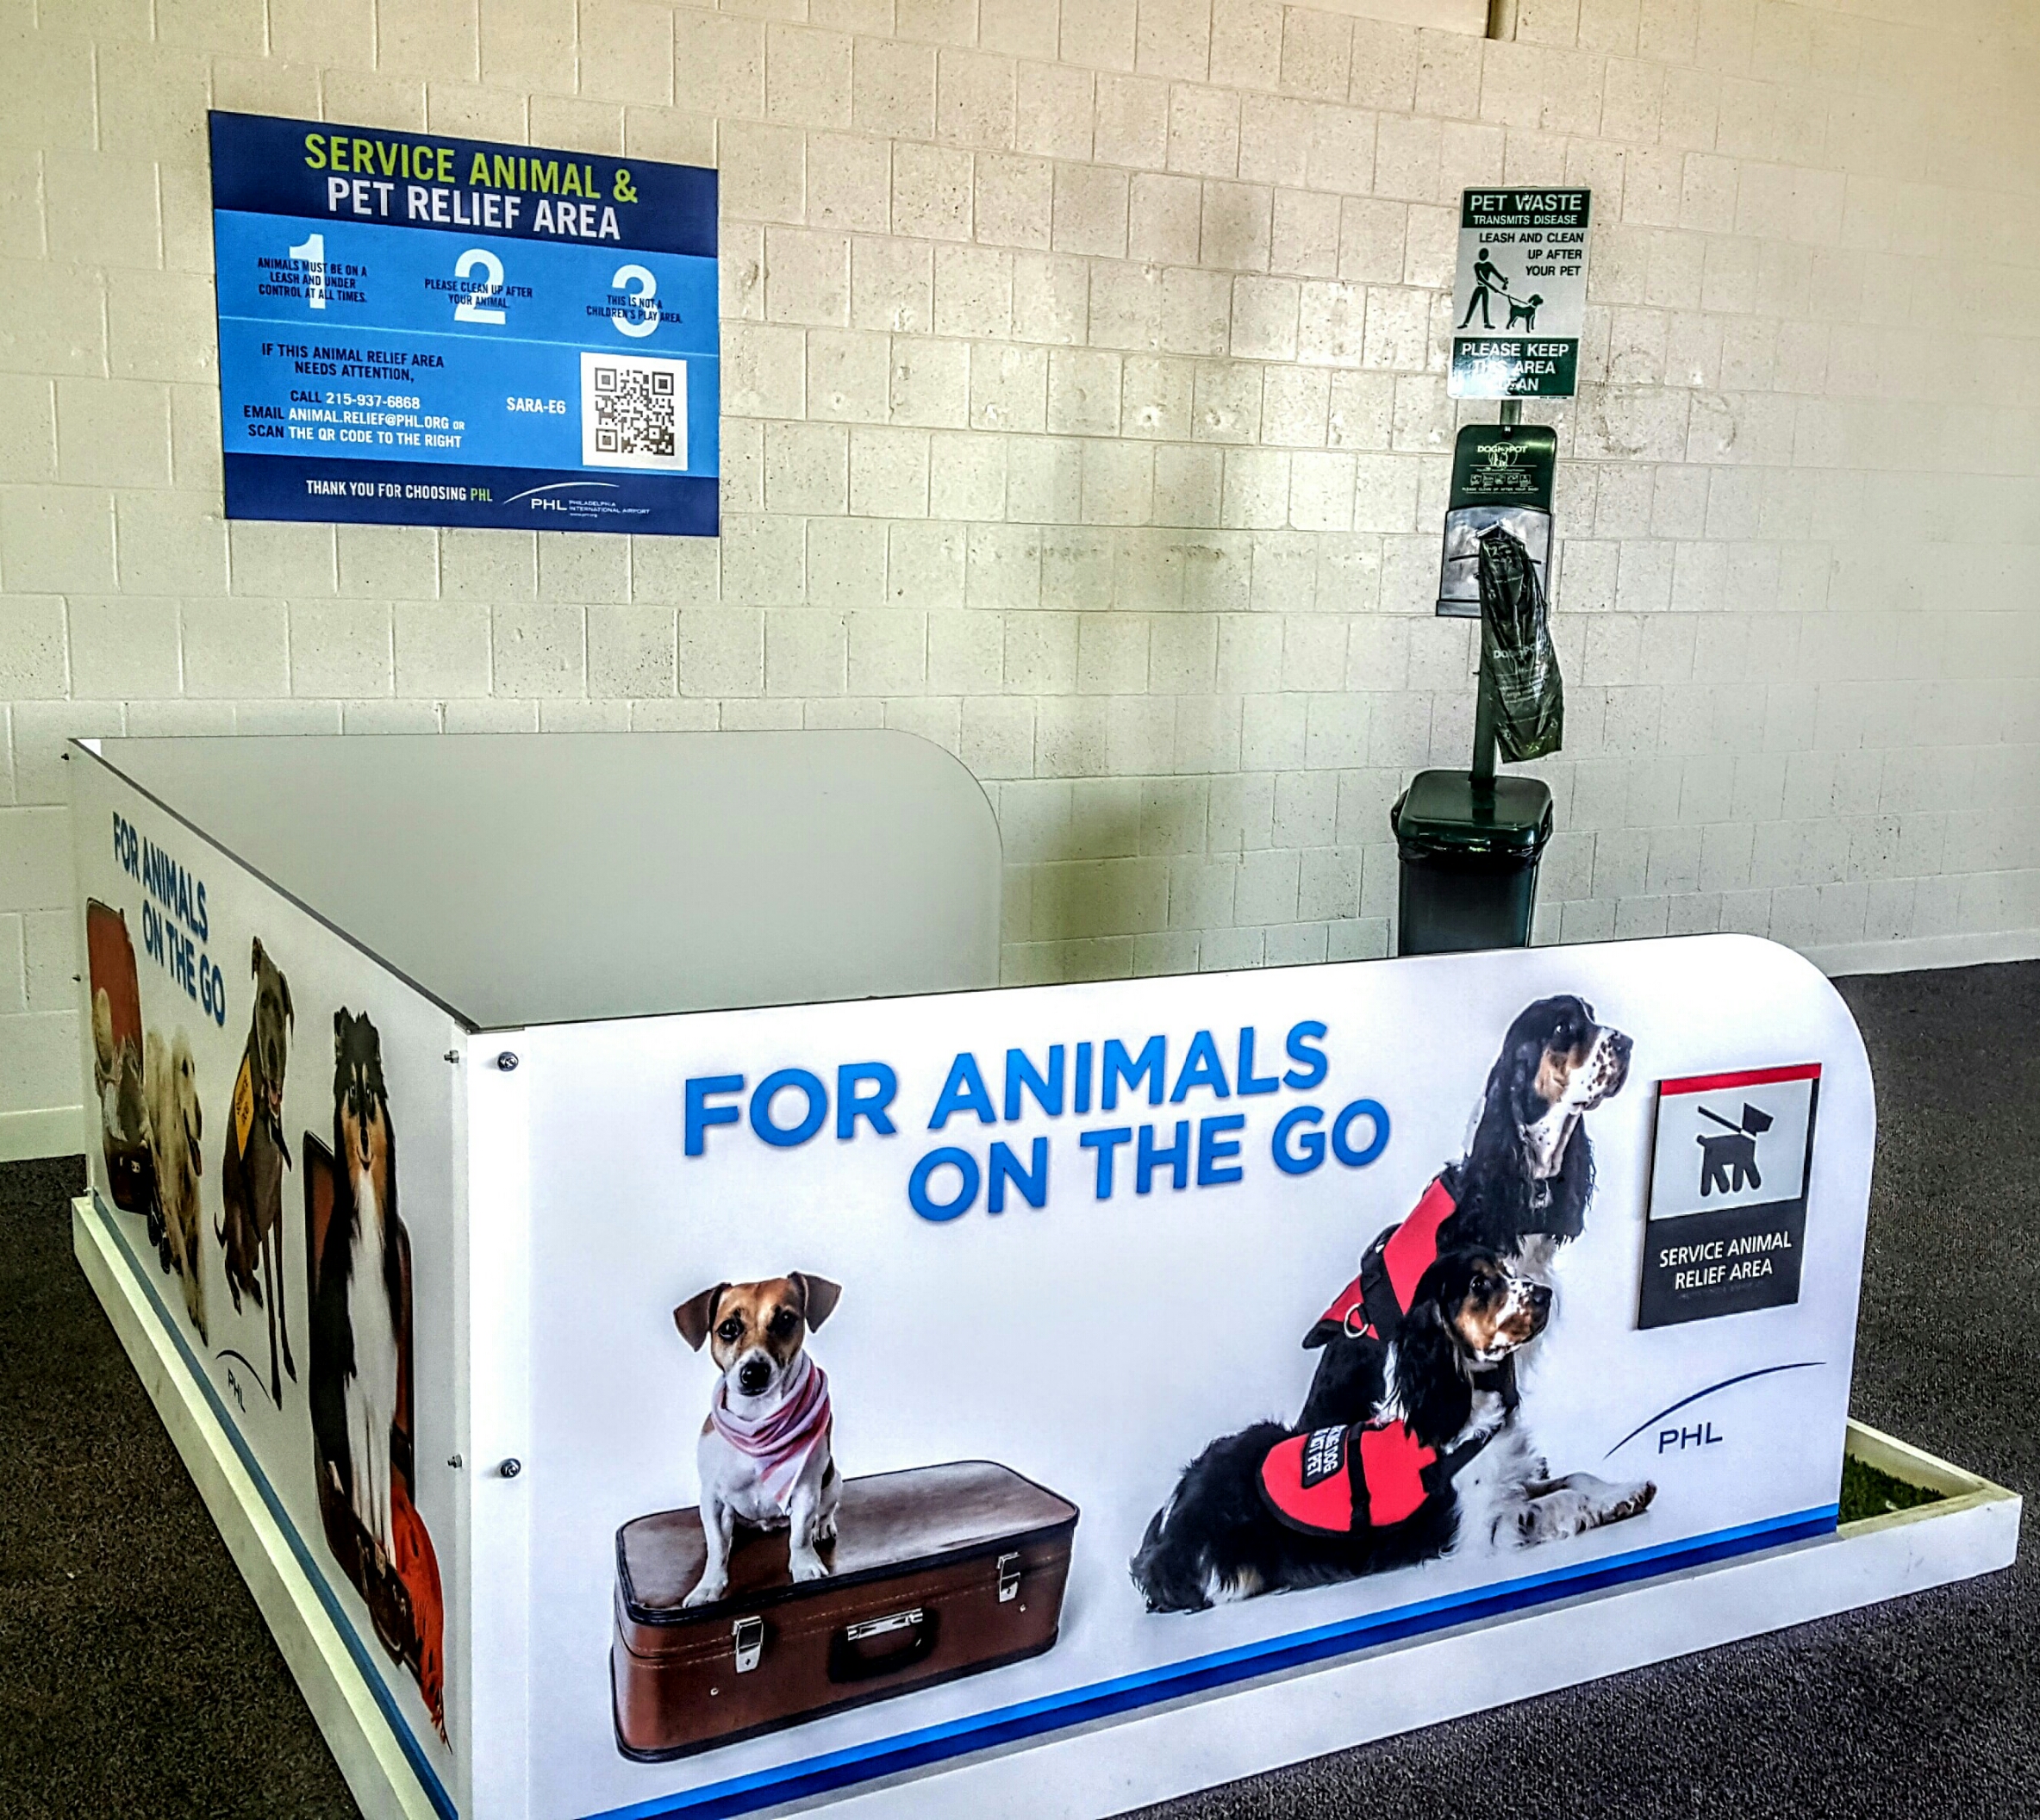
<point x="531" y="879"/>
<point x="218" y="1155"/>
<point x="1095" y="1342"/>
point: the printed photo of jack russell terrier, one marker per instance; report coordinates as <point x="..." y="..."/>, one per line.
<point x="764" y="1454"/>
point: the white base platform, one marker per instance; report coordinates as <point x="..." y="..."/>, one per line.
<point x="1156" y="1752"/>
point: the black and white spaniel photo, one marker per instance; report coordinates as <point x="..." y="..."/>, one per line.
<point x="1409" y="1446"/>
<point x="1520" y="1190"/>
<point x="1443" y="1464"/>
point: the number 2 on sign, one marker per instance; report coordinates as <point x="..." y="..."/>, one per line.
<point x="479" y="308"/>
<point x="313" y="253"/>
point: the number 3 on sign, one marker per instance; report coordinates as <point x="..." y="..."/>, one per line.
<point x="480" y="308"/>
<point x="640" y="291"/>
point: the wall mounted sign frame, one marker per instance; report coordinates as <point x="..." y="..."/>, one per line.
<point x="422" y="330"/>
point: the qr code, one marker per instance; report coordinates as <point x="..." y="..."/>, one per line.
<point x="634" y="412"/>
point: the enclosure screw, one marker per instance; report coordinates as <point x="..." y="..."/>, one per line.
<point x="453" y="1460"/>
<point x="511" y="1467"/>
<point x="453" y="1055"/>
<point x="506" y="1061"/>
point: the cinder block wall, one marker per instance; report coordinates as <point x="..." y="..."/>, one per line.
<point x="1084" y="412"/>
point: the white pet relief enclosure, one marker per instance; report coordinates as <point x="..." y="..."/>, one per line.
<point x="545" y="1036"/>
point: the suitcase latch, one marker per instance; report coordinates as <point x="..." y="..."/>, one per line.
<point x="1009" y="1576"/>
<point x="748" y="1634"/>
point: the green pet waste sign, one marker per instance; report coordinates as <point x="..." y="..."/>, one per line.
<point x="1520" y="299"/>
<point x="421" y="330"/>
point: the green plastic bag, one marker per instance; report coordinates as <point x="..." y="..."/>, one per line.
<point x="1516" y="651"/>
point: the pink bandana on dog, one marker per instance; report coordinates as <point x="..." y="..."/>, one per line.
<point x="782" y="1440"/>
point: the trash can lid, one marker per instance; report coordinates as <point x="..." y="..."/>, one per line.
<point x="1442" y="810"/>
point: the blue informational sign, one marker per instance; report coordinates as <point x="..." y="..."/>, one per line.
<point x="419" y="330"/>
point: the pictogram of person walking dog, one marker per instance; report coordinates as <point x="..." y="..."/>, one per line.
<point x="1490" y="280"/>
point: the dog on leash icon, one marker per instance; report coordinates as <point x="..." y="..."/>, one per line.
<point x="1729" y="1162"/>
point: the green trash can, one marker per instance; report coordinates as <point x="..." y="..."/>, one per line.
<point x="1469" y="859"/>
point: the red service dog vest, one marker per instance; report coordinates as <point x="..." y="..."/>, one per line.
<point x="1375" y="1302"/>
<point x="1335" y="1481"/>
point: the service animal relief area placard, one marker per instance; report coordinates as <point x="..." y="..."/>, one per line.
<point x="1728" y="1194"/>
<point x="1520" y="300"/>
<point x="421" y="330"/>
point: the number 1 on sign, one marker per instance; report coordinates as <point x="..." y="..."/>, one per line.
<point x="313" y="253"/>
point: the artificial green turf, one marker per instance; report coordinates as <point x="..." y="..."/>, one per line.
<point x="1868" y="1492"/>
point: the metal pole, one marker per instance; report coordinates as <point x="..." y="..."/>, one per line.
<point x="1483" y="751"/>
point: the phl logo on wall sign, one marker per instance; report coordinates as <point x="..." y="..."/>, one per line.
<point x="1728" y="1194"/>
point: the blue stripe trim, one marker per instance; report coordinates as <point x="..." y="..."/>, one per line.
<point x="370" y="1671"/>
<point x="1055" y="1713"/>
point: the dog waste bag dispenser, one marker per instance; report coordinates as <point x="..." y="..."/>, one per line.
<point x="1470" y="842"/>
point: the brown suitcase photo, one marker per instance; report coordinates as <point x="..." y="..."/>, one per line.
<point x="935" y="1572"/>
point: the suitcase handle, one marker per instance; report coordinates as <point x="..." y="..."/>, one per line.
<point x="862" y="1652"/>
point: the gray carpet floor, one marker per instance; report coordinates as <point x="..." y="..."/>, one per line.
<point x="136" y="1678"/>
